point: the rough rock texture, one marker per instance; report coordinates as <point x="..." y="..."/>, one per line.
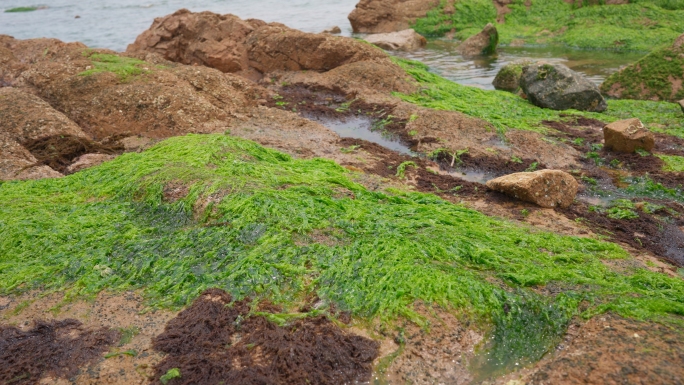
<point x="333" y="31"/>
<point x="546" y="188"/>
<point x="484" y="43"/>
<point x="87" y="161"/>
<point x="628" y="136"/>
<point x="382" y="16"/>
<point x="246" y="47"/>
<point x="657" y="76"/>
<point x="25" y="117"/>
<point x="508" y="78"/>
<point x="406" y="40"/>
<point x="557" y="87"/>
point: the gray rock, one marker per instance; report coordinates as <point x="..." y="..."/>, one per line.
<point x="406" y="40"/>
<point x="557" y="87"/>
<point x="484" y="43"/>
<point x="508" y="78"/>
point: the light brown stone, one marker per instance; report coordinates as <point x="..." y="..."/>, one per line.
<point x="88" y="161"/>
<point x="484" y="43"/>
<point x="628" y="136"/>
<point x="681" y="104"/>
<point x="333" y="31"/>
<point x="382" y="16"/>
<point x="546" y="188"/>
<point x="406" y="40"/>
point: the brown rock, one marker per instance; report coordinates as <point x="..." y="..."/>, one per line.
<point x="406" y="40"/>
<point x="382" y="16"/>
<point x="87" y="161"/>
<point x="681" y="104"/>
<point x="628" y="136"/>
<point x="484" y="43"/>
<point x="333" y="31"/>
<point x="546" y="188"/>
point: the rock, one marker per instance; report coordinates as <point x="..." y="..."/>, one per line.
<point x="508" y="78"/>
<point x="628" y="136"/>
<point x="557" y="87"/>
<point x="657" y="76"/>
<point x="333" y="31"/>
<point x="87" y="161"/>
<point x="484" y="43"/>
<point x="406" y="40"/>
<point x="546" y="188"/>
<point x="136" y="143"/>
<point x="681" y="104"/>
<point x="383" y="16"/>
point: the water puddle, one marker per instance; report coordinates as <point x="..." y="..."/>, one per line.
<point x="474" y="176"/>
<point x="442" y="57"/>
<point x="362" y="128"/>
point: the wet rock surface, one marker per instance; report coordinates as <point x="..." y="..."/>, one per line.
<point x="484" y="43"/>
<point x="382" y="16"/>
<point x="557" y="87"/>
<point x="546" y="188"/>
<point x="628" y="136"/>
<point x="406" y="40"/>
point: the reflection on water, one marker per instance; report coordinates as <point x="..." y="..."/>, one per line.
<point x="114" y="24"/>
<point x="443" y="59"/>
<point x="362" y="128"/>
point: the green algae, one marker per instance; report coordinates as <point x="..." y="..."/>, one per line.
<point x="673" y="163"/>
<point x="639" y="26"/>
<point x="506" y="111"/>
<point x="650" y="78"/>
<point x="21" y="9"/>
<point x="247" y="223"/>
<point x="124" y="67"/>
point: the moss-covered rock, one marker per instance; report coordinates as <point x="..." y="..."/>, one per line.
<point x="484" y="43"/>
<point x="508" y="78"/>
<point x="658" y="76"/>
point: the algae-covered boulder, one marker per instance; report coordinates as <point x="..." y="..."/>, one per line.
<point x="484" y="43"/>
<point x="657" y="76"/>
<point x="628" y="136"/>
<point x="557" y="87"/>
<point x="546" y="188"/>
<point x="508" y="78"/>
<point x="406" y="40"/>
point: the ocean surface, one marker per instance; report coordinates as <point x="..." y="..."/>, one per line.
<point x="114" y="24"/>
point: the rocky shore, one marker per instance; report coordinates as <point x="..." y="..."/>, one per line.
<point x="191" y="212"/>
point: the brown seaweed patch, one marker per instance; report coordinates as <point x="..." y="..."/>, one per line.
<point x="216" y="341"/>
<point x="54" y="348"/>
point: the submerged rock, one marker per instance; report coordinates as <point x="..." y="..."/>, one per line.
<point x="657" y="76"/>
<point x="484" y="43"/>
<point x="406" y="40"/>
<point x="546" y="188"/>
<point x="508" y="78"/>
<point x="557" y="87"/>
<point x="628" y="136"/>
<point x="382" y="16"/>
<point x="333" y="31"/>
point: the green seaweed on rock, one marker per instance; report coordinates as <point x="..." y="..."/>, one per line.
<point x="252" y="221"/>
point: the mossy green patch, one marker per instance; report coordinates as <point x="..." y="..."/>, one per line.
<point x="639" y="26"/>
<point x="672" y="162"/>
<point x="246" y="226"/>
<point x="508" y="111"/>
<point x="124" y="67"/>
<point x="21" y="9"/>
<point x="652" y="77"/>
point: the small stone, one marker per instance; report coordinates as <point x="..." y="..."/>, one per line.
<point x="546" y="188"/>
<point x="628" y="136"/>
<point x="406" y="40"/>
<point x="87" y="161"/>
<point x="681" y="104"/>
<point x="333" y="31"/>
<point x="484" y="43"/>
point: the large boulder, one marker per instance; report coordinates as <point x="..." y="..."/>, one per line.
<point x="406" y="40"/>
<point x="382" y="16"/>
<point x="557" y="87"/>
<point x="546" y="188"/>
<point x="508" y="77"/>
<point x="628" y="136"/>
<point x="657" y="76"/>
<point x="484" y="43"/>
